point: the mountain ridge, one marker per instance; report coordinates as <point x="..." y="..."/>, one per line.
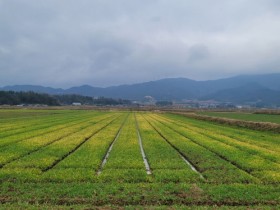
<point x="168" y="88"/>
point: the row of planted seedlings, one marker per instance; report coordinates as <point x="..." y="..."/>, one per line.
<point x="48" y="128"/>
<point x="42" y="128"/>
<point x="20" y="148"/>
<point x="255" y="160"/>
<point x="250" y="148"/>
<point x="166" y="164"/>
<point x="38" y="154"/>
<point x="263" y="139"/>
<point x="85" y="162"/>
<point x="31" y="125"/>
<point x="20" y="123"/>
<point x="51" y="127"/>
<point x="18" y="116"/>
<point x="214" y="168"/>
<point x="13" y="128"/>
<point x="125" y="162"/>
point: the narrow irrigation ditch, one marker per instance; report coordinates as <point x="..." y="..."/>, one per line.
<point x="178" y="151"/>
<point x="77" y="147"/>
<point x="104" y="161"/>
<point x="217" y="154"/>
<point x="49" y="143"/>
<point x="147" y="165"/>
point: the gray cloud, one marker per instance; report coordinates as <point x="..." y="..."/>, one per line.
<point x="105" y="42"/>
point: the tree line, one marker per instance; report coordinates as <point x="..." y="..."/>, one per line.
<point x="18" y="98"/>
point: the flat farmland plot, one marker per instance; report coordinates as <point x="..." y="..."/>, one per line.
<point x="274" y="118"/>
<point x="111" y="159"/>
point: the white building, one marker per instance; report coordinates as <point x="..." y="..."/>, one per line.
<point x="76" y="104"/>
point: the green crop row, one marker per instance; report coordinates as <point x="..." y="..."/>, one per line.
<point x="248" y="148"/>
<point x="47" y="155"/>
<point x="251" y="163"/>
<point x="19" y="124"/>
<point x="7" y="116"/>
<point x="147" y="196"/>
<point x="52" y="127"/>
<point x="212" y="167"/>
<point x="25" y="147"/>
<point x="263" y="139"/>
<point x="158" y="151"/>
<point x="44" y="123"/>
<point x="91" y="154"/>
<point x="254" y="157"/>
<point x="125" y="162"/>
<point x="126" y="151"/>
<point x="165" y="162"/>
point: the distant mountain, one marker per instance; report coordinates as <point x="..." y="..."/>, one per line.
<point x="271" y="81"/>
<point x="177" y="88"/>
<point x="84" y="90"/>
<point x="229" y="89"/>
<point x="251" y="93"/>
<point x="165" y="89"/>
<point x="34" y="88"/>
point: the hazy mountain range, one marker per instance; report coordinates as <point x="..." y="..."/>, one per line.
<point x="239" y="89"/>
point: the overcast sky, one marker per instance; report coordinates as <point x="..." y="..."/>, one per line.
<point x="63" y="43"/>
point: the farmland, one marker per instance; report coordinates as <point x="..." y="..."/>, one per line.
<point x="273" y="118"/>
<point x="84" y="159"/>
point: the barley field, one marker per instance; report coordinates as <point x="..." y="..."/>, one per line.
<point x="119" y="159"/>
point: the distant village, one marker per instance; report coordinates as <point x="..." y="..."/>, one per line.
<point x="22" y="99"/>
<point x="208" y="104"/>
